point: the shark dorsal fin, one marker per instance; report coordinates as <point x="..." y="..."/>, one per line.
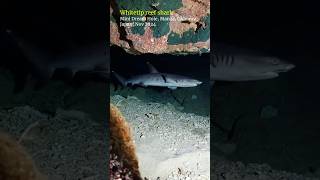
<point x="152" y="69"/>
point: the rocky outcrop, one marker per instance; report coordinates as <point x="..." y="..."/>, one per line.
<point x="123" y="159"/>
<point x="156" y="26"/>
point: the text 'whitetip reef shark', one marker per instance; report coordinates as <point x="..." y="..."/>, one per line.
<point x="158" y="79"/>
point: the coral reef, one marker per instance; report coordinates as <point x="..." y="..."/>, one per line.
<point x="123" y="160"/>
<point x="186" y="29"/>
<point x="15" y="163"/>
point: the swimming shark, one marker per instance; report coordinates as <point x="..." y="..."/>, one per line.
<point x="244" y="66"/>
<point x="85" y="58"/>
<point x="158" y="79"/>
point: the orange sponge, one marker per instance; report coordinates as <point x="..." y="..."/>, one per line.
<point x="15" y="163"/>
<point x="122" y="145"/>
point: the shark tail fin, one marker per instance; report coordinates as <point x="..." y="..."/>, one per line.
<point x="36" y="56"/>
<point x="121" y="79"/>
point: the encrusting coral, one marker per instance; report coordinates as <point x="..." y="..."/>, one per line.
<point x="123" y="160"/>
<point x="15" y="162"/>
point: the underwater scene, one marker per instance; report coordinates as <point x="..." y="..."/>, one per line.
<point x="152" y="90"/>
<point x="265" y="96"/>
<point x="165" y="99"/>
<point x="160" y="89"/>
<point x="53" y="103"/>
<point x="57" y="129"/>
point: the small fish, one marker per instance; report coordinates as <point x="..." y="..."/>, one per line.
<point x="158" y="79"/>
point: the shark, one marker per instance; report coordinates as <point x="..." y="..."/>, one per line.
<point x="238" y="65"/>
<point x="158" y="79"/>
<point x="233" y="64"/>
<point x="89" y="58"/>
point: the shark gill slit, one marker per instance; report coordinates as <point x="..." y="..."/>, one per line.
<point x="229" y="59"/>
<point x="215" y="60"/>
<point x="224" y="59"/>
<point x="232" y="59"/>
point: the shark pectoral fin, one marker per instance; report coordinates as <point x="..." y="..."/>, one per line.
<point x="172" y="87"/>
<point x="152" y="69"/>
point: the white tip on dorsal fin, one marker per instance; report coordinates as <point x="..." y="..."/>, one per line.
<point x="152" y="69"/>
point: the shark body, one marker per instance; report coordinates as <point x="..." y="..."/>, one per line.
<point x="158" y="79"/>
<point x="243" y="66"/>
<point x="227" y="64"/>
<point x="86" y="58"/>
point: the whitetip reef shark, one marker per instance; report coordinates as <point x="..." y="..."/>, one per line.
<point x="230" y="64"/>
<point x="238" y="65"/>
<point x="88" y="58"/>
<point x="158" y="79"/>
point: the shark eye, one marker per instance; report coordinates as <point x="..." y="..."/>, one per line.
<point x="275" y="61"/>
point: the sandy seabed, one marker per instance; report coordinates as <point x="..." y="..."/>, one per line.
<point x="68" y="145"/>
<point x="170" y="144"/>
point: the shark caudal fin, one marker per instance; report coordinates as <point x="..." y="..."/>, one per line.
<point x="121" y="79"/>
<point x="36" y="56"/>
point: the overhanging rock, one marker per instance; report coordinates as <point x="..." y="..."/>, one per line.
<point x="161" y="26"/>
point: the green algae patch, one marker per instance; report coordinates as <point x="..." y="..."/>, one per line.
<point x="168" y="5"/>
<point x="204" y="50"/>
<point x="191" y="36"/>
<point x="162" y="28"/>
<point x="138" y="30"/>
<point x="145" y="5"/>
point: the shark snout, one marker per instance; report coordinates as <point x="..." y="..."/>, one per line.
<point x="190" y="83"/>
<point x="290" y="66"/>
<point x="286" y="68"/>
<point x="197" y="82"/>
